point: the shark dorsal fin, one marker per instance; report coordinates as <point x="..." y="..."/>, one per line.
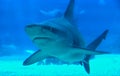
<point x="69" y="11"/>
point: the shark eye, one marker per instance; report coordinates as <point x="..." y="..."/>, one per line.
<point x="58" y="32"/>
<point x="47" y="28"/>
<point x="54" y="30"/>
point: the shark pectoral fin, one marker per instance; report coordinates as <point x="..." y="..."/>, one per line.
<point x="37" y="56"/>
<point x="87" y="51"/>
<point x="94" y="44"/>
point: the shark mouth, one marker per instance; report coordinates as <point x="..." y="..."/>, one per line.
<point x="41" y="38"/>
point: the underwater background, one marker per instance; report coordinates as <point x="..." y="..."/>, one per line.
<point x="92" y="17"/>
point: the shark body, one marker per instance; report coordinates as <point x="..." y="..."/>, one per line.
<point x="61" y="39"/>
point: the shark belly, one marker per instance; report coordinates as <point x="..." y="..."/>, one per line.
<point x="72" y="58"/>
<point x="66" y="54"/>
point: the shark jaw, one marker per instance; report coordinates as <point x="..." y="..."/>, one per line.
<point x="41" y="40"/>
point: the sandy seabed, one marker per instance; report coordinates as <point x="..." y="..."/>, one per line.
<point x="102" y="65"/>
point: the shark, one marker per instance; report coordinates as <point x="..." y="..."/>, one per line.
<point x="60" y="38"/>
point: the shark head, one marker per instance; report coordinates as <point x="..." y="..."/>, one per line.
<point x="55" y="31"/>
<point x="40" y="34"/>
<point x="44" y="35"/>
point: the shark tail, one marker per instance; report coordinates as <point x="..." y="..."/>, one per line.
<point x="92" y="46"/>
<point x="86" y="64"/>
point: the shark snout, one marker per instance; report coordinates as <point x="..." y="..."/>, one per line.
<point x="31" y="26"/>
<point x="33" y="30"/>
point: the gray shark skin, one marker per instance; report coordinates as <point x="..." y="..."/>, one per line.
<point x="58" y="38"/>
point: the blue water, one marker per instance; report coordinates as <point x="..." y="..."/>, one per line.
<point x="92" y="18"/>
